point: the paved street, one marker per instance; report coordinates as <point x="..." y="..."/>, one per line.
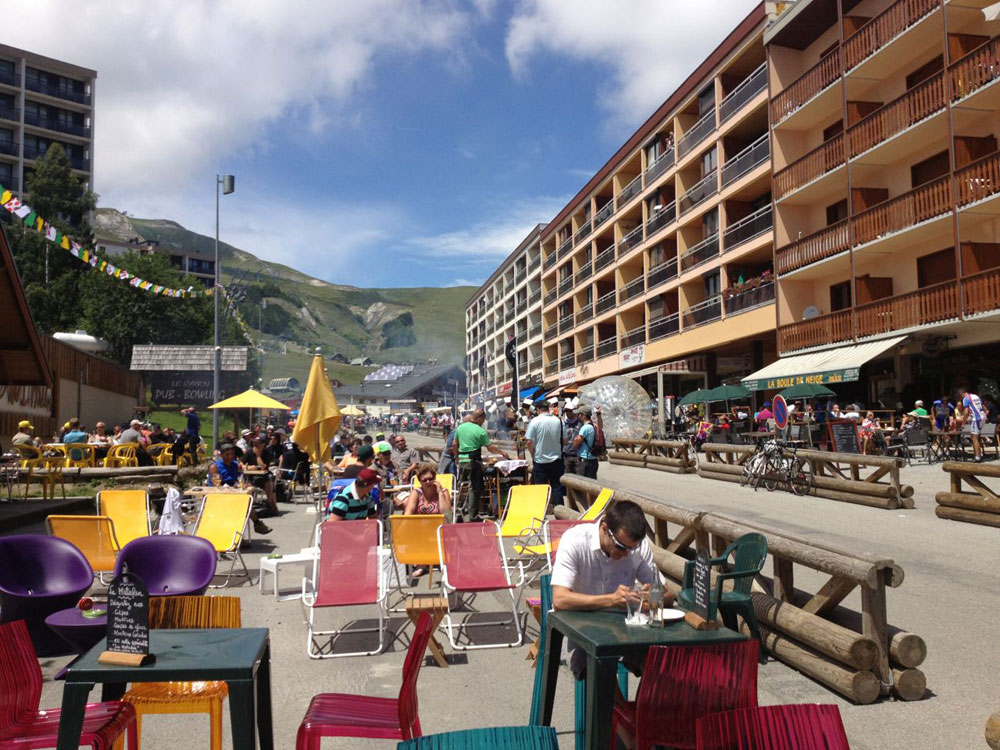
<point x="950" y="584"/>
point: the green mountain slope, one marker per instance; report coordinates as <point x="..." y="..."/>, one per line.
<point x="387" y="325"/>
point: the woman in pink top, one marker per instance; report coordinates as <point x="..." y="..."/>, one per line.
<point x="430" y="497"/>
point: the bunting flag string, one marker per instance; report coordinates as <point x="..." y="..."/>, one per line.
<point x="231" y="309"/>
<point x="32" y="220"/>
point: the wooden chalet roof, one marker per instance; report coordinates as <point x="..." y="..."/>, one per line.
<point x="22" y="361"/>
<point x="152" y="358"/>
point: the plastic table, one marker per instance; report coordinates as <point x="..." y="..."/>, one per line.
<point x="78" y="631"/>
<point x="241" y="657"/>
<point x="605" y="638"/>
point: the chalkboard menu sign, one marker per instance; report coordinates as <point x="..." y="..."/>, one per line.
<point x="702" y="585"/>
<point x="128" y="621"/>
<point x="844" y="435"/>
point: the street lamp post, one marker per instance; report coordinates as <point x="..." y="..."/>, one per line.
<point x="228" y="184"/>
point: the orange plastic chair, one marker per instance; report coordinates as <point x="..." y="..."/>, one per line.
<point x="80" y="455"/>
<point x="129" y="509"/>
<point x="414" y="542"/>
<point x="93" y="535"/>
<point x="121" y="455"/>
<point x="175" y="612"/>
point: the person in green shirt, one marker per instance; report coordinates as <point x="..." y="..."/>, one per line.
<point x="918" y="409"/>
<point x="471" y="438"/>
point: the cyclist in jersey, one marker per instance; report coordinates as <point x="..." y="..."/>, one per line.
<point x="976" y="419"/>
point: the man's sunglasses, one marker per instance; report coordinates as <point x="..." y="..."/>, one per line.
<point x="618" y="544"/>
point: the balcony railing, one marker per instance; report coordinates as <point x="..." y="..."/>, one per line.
<point x="522" y="274"/>
<point x="816" y="246"/>
<point x="566" y="323"/>
<point x="981" y="292"/>
<point x="632" y="239"/>
<point x="634" y="337"/>
<point x="706" y="187"/>
<point x="565" y="285"/>
<point x="663" y="327"/>
<point x="583" y="231"/>
<point x="535" y="297"/>
<point x="703" y="312"/>
<point x="628" y="192"/>
<point x="585" y="355"/>
<point x="661" y="218"/>
<point x="634" y="288"/>
<point x="749" y="299"/>
<point x="661" y="165"/>
<point x="550" y="296"/>
<point x="10" y="113"/>
<point x="800" y="91"/>
<point x="705" y="250"/>
<point x="550" y="258"/>
<point x="932" y="304"/>
<point x="698" y="132"/>
<point x="825" y="329"/>
<point x="54" y="124"/>
<point x="535" y="330"/>
<point x="34" y="152"/>
<point x="744" y="230"/>
<point x="9" y="147"/>
<point x="746" y="160"/>
<point x="586" y="313"/>
<point x="585" y="272"/>
<point x="566" y="361"/>
<point x="604" y="303"/>
<point x="604" y="213"/>
<point x="975" y="70"/>
<point x="883" y="28"/>
<point x="11" y="79"/>
<point x="62" y="92"/>
<point x="535" y="364"/>
<point x="978" y="180"/>
<point x="915" y="105"/>
<point x="662" y="273"/>
<point x="752" y="85"/>
<point x="913" y="207"/>
<point x="816" y="163"/>
<point x="564" y="247"/>
<point x="605" y="348"/>
<point x="552" y="331"/>
<point x="604" y="258"/>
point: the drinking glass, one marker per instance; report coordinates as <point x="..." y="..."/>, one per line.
<point x="634" y="601"/>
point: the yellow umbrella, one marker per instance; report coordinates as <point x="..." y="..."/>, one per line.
<point x="319" y="417"/>
<point x="249" y="399"/>
<point x="351" y="411"/>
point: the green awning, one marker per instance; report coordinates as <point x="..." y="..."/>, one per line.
<point x="840" y="365"/>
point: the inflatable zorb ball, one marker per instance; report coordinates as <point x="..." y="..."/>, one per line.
<point x="625" y="407"/>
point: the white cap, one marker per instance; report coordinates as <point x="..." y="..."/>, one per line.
<point x="527" y="402"/>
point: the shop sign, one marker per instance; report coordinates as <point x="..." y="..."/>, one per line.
<point x="847" y="375"/>
<point x="567" y="377"/>
<point x="505" y="389"/>
<point x="729" y="365"/>
<point x="684" y="366"/>
<point x="634" y="355"/>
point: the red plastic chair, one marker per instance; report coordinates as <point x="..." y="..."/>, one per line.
<point x="23" y="726"/>
<point x="796" y="727"/>
<point x="472" y="561"/>
<point x="348" y="572"/>
<point x="680" y="684"/>
<point x="347" y="715"/>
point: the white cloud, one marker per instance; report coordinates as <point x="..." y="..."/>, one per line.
<point x="648" y="47"/>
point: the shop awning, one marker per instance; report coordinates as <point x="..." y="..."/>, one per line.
<point x="840" y="365"/>
<point x="529" y="392"/>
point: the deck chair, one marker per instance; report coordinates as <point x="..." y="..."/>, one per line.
<point x="223" y="521"/>
<point x="176" y="612"/>
<point x="600" y="504"/>
<point x="472" y="561"/>
<point x="348" y="572"/>
<point x="94" y="536"/>
<point x="129" y="509"/>
<point x="414" y="542"/>
<point x="538" y="557"/>
<point x="121" y="455"/>
<point x="526" y="507"/>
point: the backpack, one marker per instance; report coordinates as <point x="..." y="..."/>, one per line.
<point x="600" y="446"/>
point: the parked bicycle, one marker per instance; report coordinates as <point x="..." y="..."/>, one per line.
<point x="776" y="462"/>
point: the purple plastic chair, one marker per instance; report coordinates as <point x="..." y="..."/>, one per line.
<point x="40" y="575"/>
<point x="175" y="565"/>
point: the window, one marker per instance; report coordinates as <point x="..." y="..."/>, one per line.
<point x="713" y="284"/>
<point x="930" y="169"/>
<point x="924" y="72"/>
<point x="833" y="130"/>
<point x="656" y="255"/>
<point x="936" y="267"/>
<point x="706" y="100"/>
<point x="709" y="162"/>
<point x="710" y="222"/>
<point x="840" y="296"/>
<point x="836" y="212"/>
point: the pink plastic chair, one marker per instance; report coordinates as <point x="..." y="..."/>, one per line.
<point x="23" y="726"/>
<point x="472" y="561"/>
<point x="680" y="684"/>
<point x="796" y="727"/>
<point x="348" y="715"/>
<point x="347" y="572"/>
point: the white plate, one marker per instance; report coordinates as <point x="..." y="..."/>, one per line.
<point x="673" y="615"/>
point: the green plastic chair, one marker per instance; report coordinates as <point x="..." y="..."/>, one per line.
<point x="490" y="738"/>
<point x="749" y="552"/>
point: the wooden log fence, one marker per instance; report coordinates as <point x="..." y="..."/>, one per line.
<point x="857" y="654"/>
<point x="864" y="480"/>
<point x="981" y="506"/>
<point x="673" y="456"/>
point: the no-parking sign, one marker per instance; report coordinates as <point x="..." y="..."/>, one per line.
<point x="780" y="409"/>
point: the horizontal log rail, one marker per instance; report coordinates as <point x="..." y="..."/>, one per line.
<point x="673" y="456"/>
<point x="977" y="69"/>
<point x="981" y="505"/>
<point x="811" y="248"/>
<point x="931" y="304"/>
<point x="857" y="654"/>
<point x="912" y="207"/>
<point x="824" y="329"/>
<point x="805" y="87"/>
<point x="883" y="28"/>
<point x="816" y="163"/>
<point x="893" y="118"/>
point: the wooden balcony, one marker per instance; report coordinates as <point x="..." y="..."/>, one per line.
<point x="817" y="246"/>
<point x="932" y="304"/>
<point x="805" y="87"/>
<point x="896" y="116"/>
<point x="982" y="292"/>
<point x="975" y="70"/>
<point x="913" y="207"/>
<point x="885" y="27"/>
<point x="825" y="329"/>
<point x="816" y="163"/>
<point x="978" y="180"/>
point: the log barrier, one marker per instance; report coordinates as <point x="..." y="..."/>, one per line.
<point x="982" y="506"/>
<point x="857" y="654"/>
<point x="836" y="476"/>
<point x="673" y="456"/>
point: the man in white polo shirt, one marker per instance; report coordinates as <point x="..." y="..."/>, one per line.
<point x="545" y="443"/>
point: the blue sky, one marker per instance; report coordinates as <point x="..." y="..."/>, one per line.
<point x="385" y="143"/>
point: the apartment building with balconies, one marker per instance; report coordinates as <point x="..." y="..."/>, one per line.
<point x="884" y="127"/>
<point x="43" y="101"/>
<point x="661" y="267"/>
<point x="508" y="304"/>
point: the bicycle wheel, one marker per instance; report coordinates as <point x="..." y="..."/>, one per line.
<point x="747" y="474"/>
<point x="774" y="469"/>
<point x="800" y="477"/>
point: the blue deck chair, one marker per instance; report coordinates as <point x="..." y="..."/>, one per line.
<point x="490" y="738"/>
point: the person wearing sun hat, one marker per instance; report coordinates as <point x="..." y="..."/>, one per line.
<point x="23" y="434"/>
<point x="354" y="502"/>
<point x="383" y="461"/>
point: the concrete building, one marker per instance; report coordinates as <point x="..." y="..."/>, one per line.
<point x="43" y="101"/>
<point x="508" y="304"/>
<point x="200" y="266"/>
<point x="420" y="387"/>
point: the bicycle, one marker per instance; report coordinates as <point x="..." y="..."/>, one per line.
<point x="776" y="463"/>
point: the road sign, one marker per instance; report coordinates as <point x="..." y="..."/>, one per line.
<point x="780" y="409"/>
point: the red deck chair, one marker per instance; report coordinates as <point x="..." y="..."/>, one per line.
<point x="472" y="561"/>
<point x="805" y="726"/>
<point x="348" y="572"/>
<point x="23" y="726"/>
<point x="347" y="715"/>
<point x="680" y="684"/>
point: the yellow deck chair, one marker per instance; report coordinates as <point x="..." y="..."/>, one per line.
<point x="93" y="535"/>
<point x="121" y="455"/>
<point x="129" y="509"/>
<point x="525" y="509"/>
<point x="414" y="542"/>
<point x="80" y="455"/>
<point x="526" y="548"/>
<point x="173" y="612"/>
<point x="599" y="505"/>
<point x="223" y="521"/>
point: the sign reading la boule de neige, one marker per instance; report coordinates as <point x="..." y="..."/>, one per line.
<point x="702" y="584"/>
<point x="128" y="621"/>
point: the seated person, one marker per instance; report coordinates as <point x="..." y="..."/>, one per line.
<point x="355" y="501"/>
<point x="255" y="459"/>
<point x="405" y="459"/>
<point x="869" y="430"/>
<point x="364" y="458"/>
<point x="226" y="471"/>
<point x="430" y="497"/>
<point x="763" y="415"/>
<point x="383" y="463"/>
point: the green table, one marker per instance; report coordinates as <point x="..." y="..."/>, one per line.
<point x="605" y="638"/>
<point x="241" y="657"/>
